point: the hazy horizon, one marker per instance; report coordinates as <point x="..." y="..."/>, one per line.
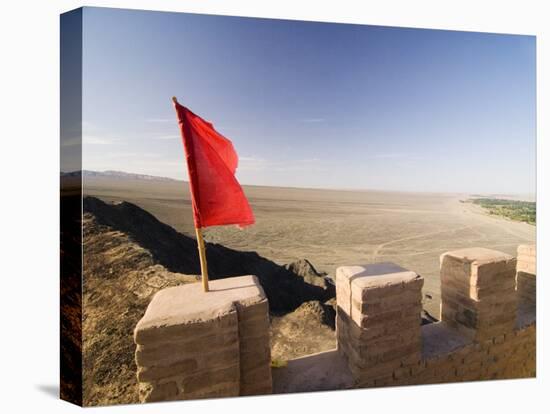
<point x="524" y="196"/>
<point x="313" y="105"/>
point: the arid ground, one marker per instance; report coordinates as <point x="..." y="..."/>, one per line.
<point x="334" y="228"/>
<point x="142" y="240"/>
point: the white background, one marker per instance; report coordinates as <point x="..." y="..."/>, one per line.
<point x="29" y="212"/>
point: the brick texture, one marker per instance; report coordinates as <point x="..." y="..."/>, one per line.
<point x="191" y="344"/>
<point x="378" y="320"/>
<point x="526" y="277"/>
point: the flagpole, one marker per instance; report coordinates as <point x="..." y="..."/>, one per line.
<point x="200" y="245"/>
<point x="202" y="256"/>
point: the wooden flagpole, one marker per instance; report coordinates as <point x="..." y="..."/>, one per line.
<point x="200" y="245"/>
<point x="202" y="256"/>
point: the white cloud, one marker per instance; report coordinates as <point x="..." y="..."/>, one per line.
<point x="167" y="137"/>
<point x="97" y="140"/>
<point x="252" y="163"/>
<point x="309" y="160"/>
<point x="132" y="155"/>
<point x="250" y="159"/>
<point x="396" y="156"/>
<point x="389" y="155"/>
<point x="161" y="120"/>
<point x="257" y="164"/>
<point x="312" y="120"/>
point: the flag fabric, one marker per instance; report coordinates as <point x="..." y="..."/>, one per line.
<point x="216" y="195"/>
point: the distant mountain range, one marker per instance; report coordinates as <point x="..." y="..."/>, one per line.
<point x="116" y="174"/>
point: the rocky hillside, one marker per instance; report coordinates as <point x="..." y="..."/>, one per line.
<point x="129" y="255"/>
<point x="286" y="287"/>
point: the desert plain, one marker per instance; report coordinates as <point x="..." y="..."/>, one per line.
<point x="332" y="228"/>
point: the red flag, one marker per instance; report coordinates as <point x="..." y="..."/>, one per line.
<point x="216" y="194"/>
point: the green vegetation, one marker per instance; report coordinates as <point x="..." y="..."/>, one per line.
<point x="513" y="209"/>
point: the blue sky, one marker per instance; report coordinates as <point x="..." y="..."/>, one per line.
<point x="313" y="104"/>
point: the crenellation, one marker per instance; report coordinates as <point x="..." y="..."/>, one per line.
<point x="478" y="291"/>
<point x="482" y="333"/>
<point x="190" y="346"/>
<point x="374" y="340"/>
<point x="526" y="277"/>
<point x="195" y="344"/>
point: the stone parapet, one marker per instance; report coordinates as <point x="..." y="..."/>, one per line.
<point x="482" y="335"/>
<point x="478" y="295"/>
<point x="195" y="344"/>
<point x="526" y="276"/>
<point x="192" y="344"/>
<point x="378" y="320"/>
<point x="527" y="259"/>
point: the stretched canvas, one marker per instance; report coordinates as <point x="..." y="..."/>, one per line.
<point x="257" y="206"/>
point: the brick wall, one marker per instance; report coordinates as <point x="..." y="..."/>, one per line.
<point x="192" y="344"/>
<point x="195" y="344"/>
<point x="483" y="333"/>
<point x="526" y="280"/>
<point x="378" y="320"/>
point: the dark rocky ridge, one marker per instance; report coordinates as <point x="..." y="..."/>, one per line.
<point x="286" y="287"/>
